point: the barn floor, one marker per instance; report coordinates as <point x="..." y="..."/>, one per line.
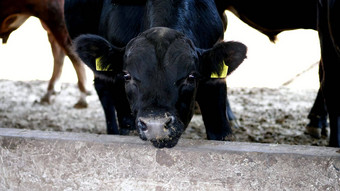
<point x="265" y="115"/>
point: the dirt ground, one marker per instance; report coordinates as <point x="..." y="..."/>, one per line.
<point x="265" y="115"/>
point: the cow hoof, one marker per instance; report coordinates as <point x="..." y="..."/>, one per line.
<point x="81" y="104"/>
<point x="46" y="99"/>
<point x="314" y="131"/>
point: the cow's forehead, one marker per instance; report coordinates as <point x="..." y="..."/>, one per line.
<point x="176" y="57"/>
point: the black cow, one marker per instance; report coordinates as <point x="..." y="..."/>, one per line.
<point x="271" y="18"/>
<point x="329" y="34"/>
<point x="166" y="67"/>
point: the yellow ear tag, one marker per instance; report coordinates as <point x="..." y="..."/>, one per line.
<point x="223" y="74"/>
<point x="99" y="65"/>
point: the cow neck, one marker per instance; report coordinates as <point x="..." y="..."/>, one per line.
<point x="190" y="17"/>
<point x="166" y="13"/>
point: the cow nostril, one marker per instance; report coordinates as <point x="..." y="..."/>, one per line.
<point x="168" y="122"/>
<point x="142" y="126"/>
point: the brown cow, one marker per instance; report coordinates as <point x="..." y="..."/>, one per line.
<point x="51" y="14"/>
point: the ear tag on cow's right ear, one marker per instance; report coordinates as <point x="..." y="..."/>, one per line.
<point x="99" y="65"/>
<point x="223" y="74"/>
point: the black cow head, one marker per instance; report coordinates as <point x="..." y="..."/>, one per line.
<point x="162" y="69"/>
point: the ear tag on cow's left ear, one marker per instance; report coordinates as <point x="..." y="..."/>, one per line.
<point x="99" y="65"/>
<point x="223" y="74"/>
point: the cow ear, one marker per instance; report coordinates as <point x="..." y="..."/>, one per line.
<point x="101" y="56"/>
<point x="229" y="53"/>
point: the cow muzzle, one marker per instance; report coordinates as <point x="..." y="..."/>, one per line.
<point x="162" y="131"/>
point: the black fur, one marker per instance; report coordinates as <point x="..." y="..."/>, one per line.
<point x="90" y="47"/>
<point x="169" y="44"/>
<point x="272" y="18"/>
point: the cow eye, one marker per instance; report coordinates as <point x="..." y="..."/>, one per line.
<point x="127" y="77"/>
<point x="191" y="78"/>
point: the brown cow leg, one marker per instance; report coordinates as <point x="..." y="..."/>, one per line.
<point x="58" y="55"/>
<point x="61" y="44"/>
<point x="81" y="74"/>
